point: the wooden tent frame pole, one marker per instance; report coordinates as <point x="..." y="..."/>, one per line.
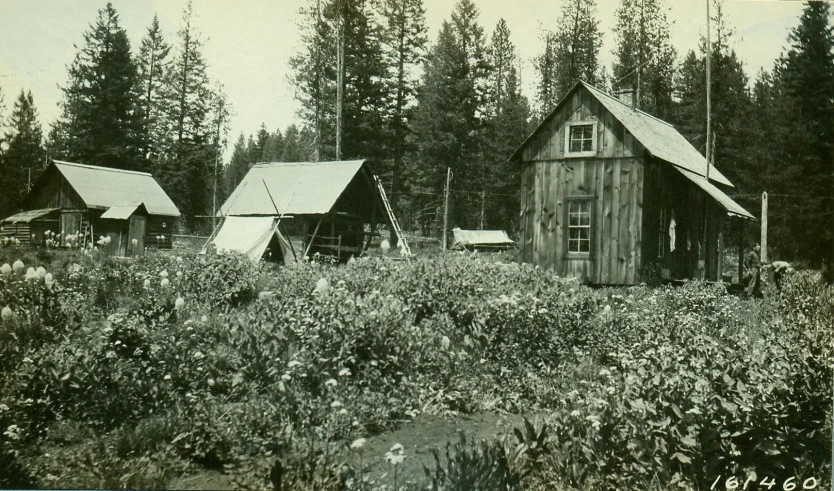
<point x="312" y="238"/>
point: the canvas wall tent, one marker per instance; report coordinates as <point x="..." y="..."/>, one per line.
<point x="611" y="195"/>
<point x="481" y="240"/>
<point x="89" y="202"/>
<point x="297" y="209"/>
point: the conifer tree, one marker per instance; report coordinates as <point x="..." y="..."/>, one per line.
<point x="100" y="123"/>
<point x="570" y="53"/>
<point x="644" y="56"/>
<point x="404" y="42"/>
<point x="153" y="69"/>
<point x="23" y="158"/>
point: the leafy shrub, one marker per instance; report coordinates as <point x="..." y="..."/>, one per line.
<point x="471" y="467"/>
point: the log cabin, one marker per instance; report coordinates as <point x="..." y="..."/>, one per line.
<point x="614" y="196"/>
<point x="79" y="204"/>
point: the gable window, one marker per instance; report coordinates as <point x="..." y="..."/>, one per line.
<point x="581" y="139"/>
<point x="579" y="226"/>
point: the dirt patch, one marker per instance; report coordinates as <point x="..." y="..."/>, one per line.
<point x="418" y="438"/>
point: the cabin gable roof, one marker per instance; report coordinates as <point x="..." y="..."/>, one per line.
<point x="658" y="137"/>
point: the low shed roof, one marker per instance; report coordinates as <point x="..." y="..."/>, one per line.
<point x="481" y="237"/>
<point x="295" y="188"/>
<point x="29" y="215"/>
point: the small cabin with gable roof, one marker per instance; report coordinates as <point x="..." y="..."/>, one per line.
<point x="76" y="205"/>
<point x="614" y="196"/>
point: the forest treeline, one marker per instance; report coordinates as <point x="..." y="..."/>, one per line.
<point x="419" y="103"/>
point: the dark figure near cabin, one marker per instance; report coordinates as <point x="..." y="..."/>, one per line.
<point x="752" y="276"/>
<point x="780" y="268"/>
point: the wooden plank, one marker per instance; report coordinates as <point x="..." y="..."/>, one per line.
<point x="522" y="217"/>
<point x="537" y="214"/>
<point x="544" y="224"/>
<point x="637" y="223"/>
<point x="613" y="258"/>
<point x="622" y="235"/>
<point x="597" y="220"/>
<point x="605" y="237"/>
<point x="559" y="218"/>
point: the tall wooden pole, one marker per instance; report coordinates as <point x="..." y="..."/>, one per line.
<point x="709" y="103"/>
<point x="446" y="207"/>
<point x="340" y="79"/>
<point x="764" y="228"/>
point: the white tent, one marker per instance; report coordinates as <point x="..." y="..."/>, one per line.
<point x="251" y="236"/>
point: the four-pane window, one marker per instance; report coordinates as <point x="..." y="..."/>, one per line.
<point x="579" y="226"/>
<point x="582" y="138"/>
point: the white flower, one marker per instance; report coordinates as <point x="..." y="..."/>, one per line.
<point x="343" y="411"/>
<point x="41" y="272"/>
<point x="358" y="443"/>
<point x="575" y="413"/>
<point x="147" y="283"/>
<point x="286" y="376"/>
<point x="344" y="372"/>
<point x="48" y="279"/>
<point x="211" y="382"/>
<point x="355" y="424"/>
<point x="179" y="259"/>
<point x="167" y="377"/>
<point x="165" y="282"/>
<point x="335" y="404"/>
<point x="164" y="274"/>
<point x="179" y="274"/>
<point x="322" y="286"/>
<point x="604" y="373"/>
<point x="331" y="383"/>
<point x="5" y="268"/>
<point x="385" y="246"/>
<point x="397" y="447"/>
<point x="293" y="363"/>
<point x="179" y="302"/>
<point x="204" y="319"/>
<point x="445" y="342"/>
<point x="6" y="313"/>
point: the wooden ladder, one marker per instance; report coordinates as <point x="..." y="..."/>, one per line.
<point x="406" y="250"/>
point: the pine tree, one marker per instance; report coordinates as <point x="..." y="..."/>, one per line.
<point x="153" y="69"/>
<point x="274" y="147"/>
<point x="24" y="156"/>
<point x="507" y="127"/>
<point x="238" y="164"/>
<point x="644" y="56"/>
<point x="730" y="105"/>
<point x="450" y="117"/>
<point x="187" y="173"/>
<point x="570" y="54"/>
<point x="299" y="145"/>
<point x="100" y="123"/>
<point x="404" y="41"/>
<point x="364" y="99"/>
<point x="807" y="74"/>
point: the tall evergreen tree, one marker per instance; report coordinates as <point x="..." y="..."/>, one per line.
<point x="644" y="56"/>
<point x="187" y="173"/>
<point x="730" y="105"/>
<point x="450" y="116"/>
<point x="274" y="147"/>
<point x="507" y="128"/>
<point x="570" y="53"/>
<point x="100" y="123"/>
<point x="238" y="165"/>
<point x="153" y="66"/>
<point x="404" y="43"/>
<point x="23" y="158"/>
<point x="807" y="74"/>
<point x="364" y="99"/>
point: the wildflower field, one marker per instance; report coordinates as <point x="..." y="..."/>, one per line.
<point x="140" y="373"/>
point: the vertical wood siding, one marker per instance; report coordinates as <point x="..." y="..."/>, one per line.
<point x="614" y="181"/>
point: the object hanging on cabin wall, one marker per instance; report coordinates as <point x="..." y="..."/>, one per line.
<point x="688" y="242"/>
<point x="672" y="233"/>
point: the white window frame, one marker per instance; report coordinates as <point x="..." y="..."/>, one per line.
<point x="589" y="200"/>
<point x="586" y="153"/>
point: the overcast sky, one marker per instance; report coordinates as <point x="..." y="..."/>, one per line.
<point x="248" y="42"/>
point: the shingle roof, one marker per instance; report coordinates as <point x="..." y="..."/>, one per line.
<point x="29" y="215"/>
<point x="103" y="187"/>
<point x="660" y="138"/>
<point x="722" y="199"/>
<point x="297" y="188"/>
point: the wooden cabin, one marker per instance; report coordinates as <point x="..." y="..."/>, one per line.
<point x="285" y="211"/>
<point x="614" y="196"/>
<point x="81" y="204"/>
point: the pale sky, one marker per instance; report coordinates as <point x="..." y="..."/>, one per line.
<point x="248" y="43"/>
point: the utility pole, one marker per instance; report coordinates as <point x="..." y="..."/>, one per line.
<point x="446" y="207"/>
<point x="709" y="106"/>
<point x="340" y="78"/>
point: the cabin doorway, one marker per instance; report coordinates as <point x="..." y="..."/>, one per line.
<point x="136" y="236"/>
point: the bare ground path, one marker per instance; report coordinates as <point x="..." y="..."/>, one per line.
<point x="417" y="437"/>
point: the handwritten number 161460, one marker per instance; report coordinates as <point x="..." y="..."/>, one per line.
<point x="790" y="483"/>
